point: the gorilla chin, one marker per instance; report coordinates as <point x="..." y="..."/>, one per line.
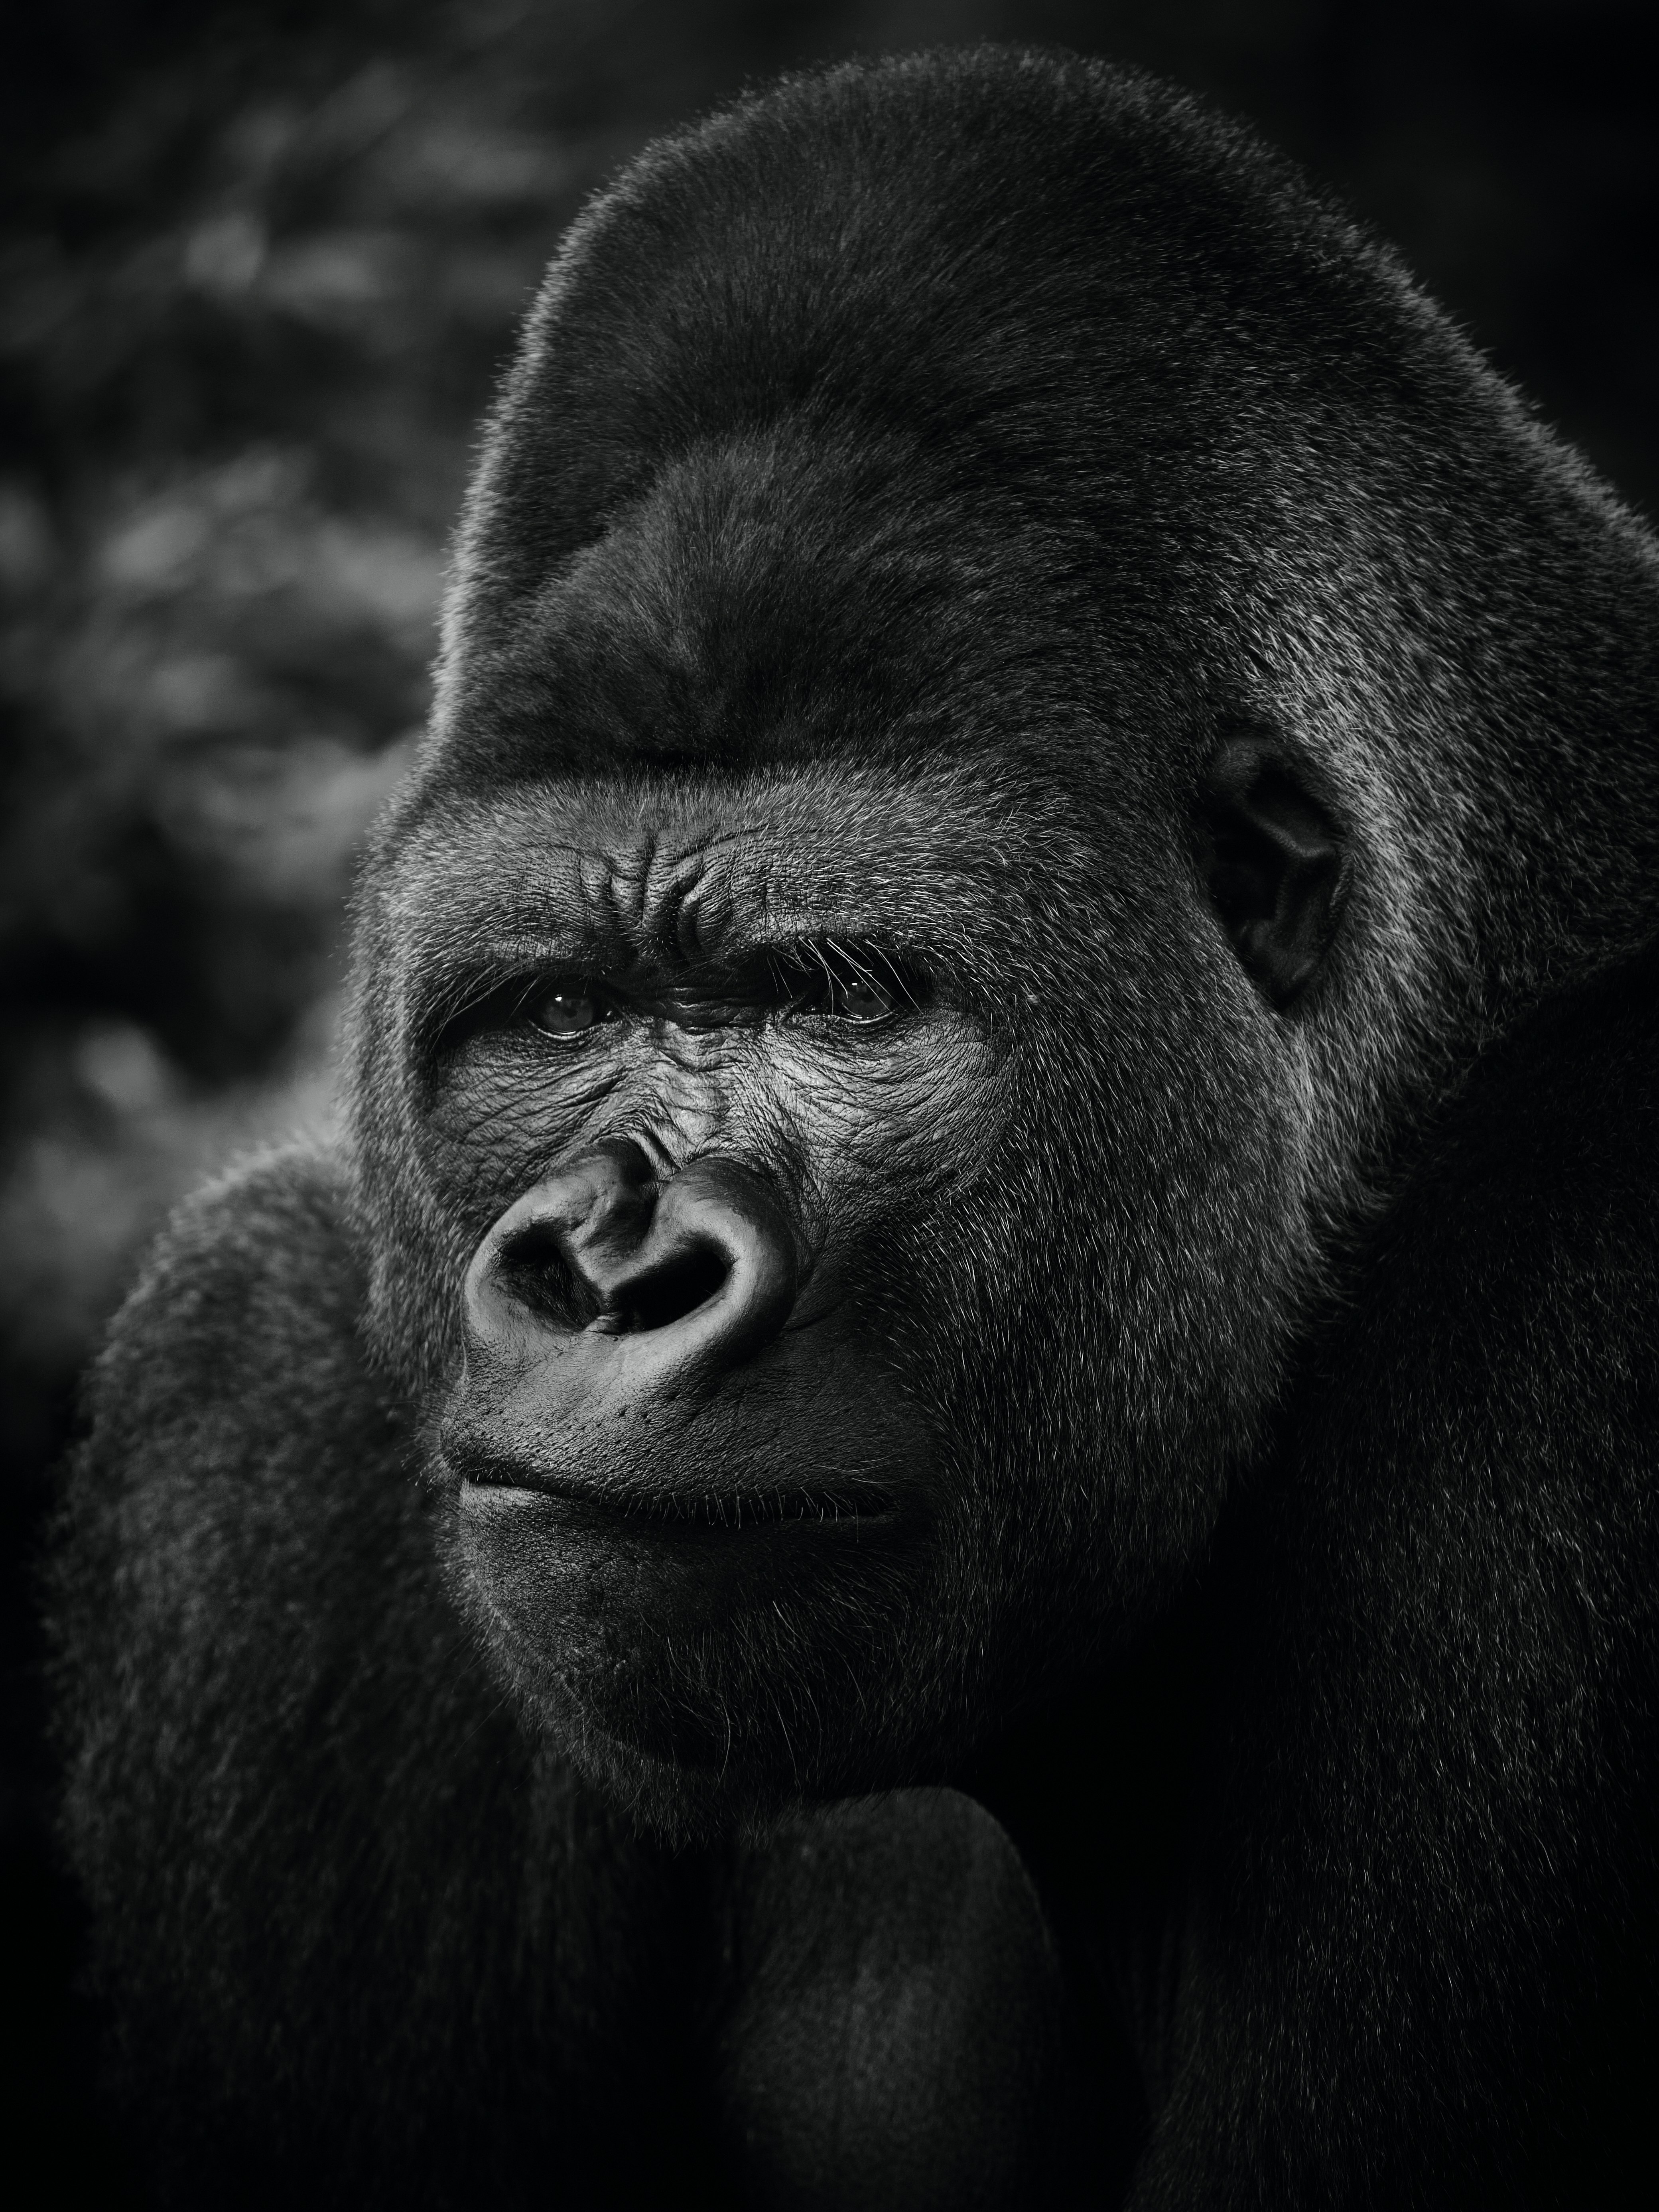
<point x="704" y="1664"/>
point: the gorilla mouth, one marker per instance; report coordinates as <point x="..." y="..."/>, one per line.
<point x="742" y="1509"/>
<point x="727" y="1509"/>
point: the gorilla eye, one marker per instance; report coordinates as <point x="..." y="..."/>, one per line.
<point x="567" y="1013"/>
<point x="859" y="999"/>
<point x="865" y="984"/>
<point x="862" y="985"/>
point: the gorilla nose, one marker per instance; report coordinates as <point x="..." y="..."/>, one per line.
<point x="604" y="1268"/>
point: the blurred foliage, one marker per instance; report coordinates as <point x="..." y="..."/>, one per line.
<point x="259" y="269"/>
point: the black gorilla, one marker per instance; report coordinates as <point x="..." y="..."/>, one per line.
<point x="1003" y="1150"/>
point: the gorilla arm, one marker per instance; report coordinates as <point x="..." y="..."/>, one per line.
<point x="896" y="2035"/>
<point x="340" y="1904"/>
<point x="1441" y="1709"/>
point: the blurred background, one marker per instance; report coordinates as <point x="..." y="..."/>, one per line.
<point x="259" y="267"/>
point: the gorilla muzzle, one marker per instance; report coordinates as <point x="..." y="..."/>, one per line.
<point x="606" y="1300"/>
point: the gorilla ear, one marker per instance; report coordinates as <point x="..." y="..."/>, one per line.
<point x="1273" y="862"/>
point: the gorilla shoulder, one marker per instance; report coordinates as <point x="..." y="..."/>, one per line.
<point x="247" y="1305"/>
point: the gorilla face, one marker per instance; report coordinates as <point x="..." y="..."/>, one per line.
<point x="787" y="1446"/>
<point x="721" y="1095"/>
<point x="841" y="1123"/>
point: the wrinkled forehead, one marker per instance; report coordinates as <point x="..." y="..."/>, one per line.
<point x="712" y="865"/>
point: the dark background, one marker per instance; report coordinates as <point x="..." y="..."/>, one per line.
<point x="259" y="269"/>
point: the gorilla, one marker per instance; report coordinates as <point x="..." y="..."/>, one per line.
<point x="953" y="1496"/>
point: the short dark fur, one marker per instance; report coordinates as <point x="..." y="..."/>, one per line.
<point x="988" y="508"/>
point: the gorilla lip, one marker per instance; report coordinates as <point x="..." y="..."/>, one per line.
<point x="729" y="1510"/>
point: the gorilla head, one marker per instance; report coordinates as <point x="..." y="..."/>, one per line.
<point x="993" y="733"/>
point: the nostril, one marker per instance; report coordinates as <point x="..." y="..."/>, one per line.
<point x="688" y="1275"/>
<point x="677" y="1285"/>
<point x="536" y="1272"/>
